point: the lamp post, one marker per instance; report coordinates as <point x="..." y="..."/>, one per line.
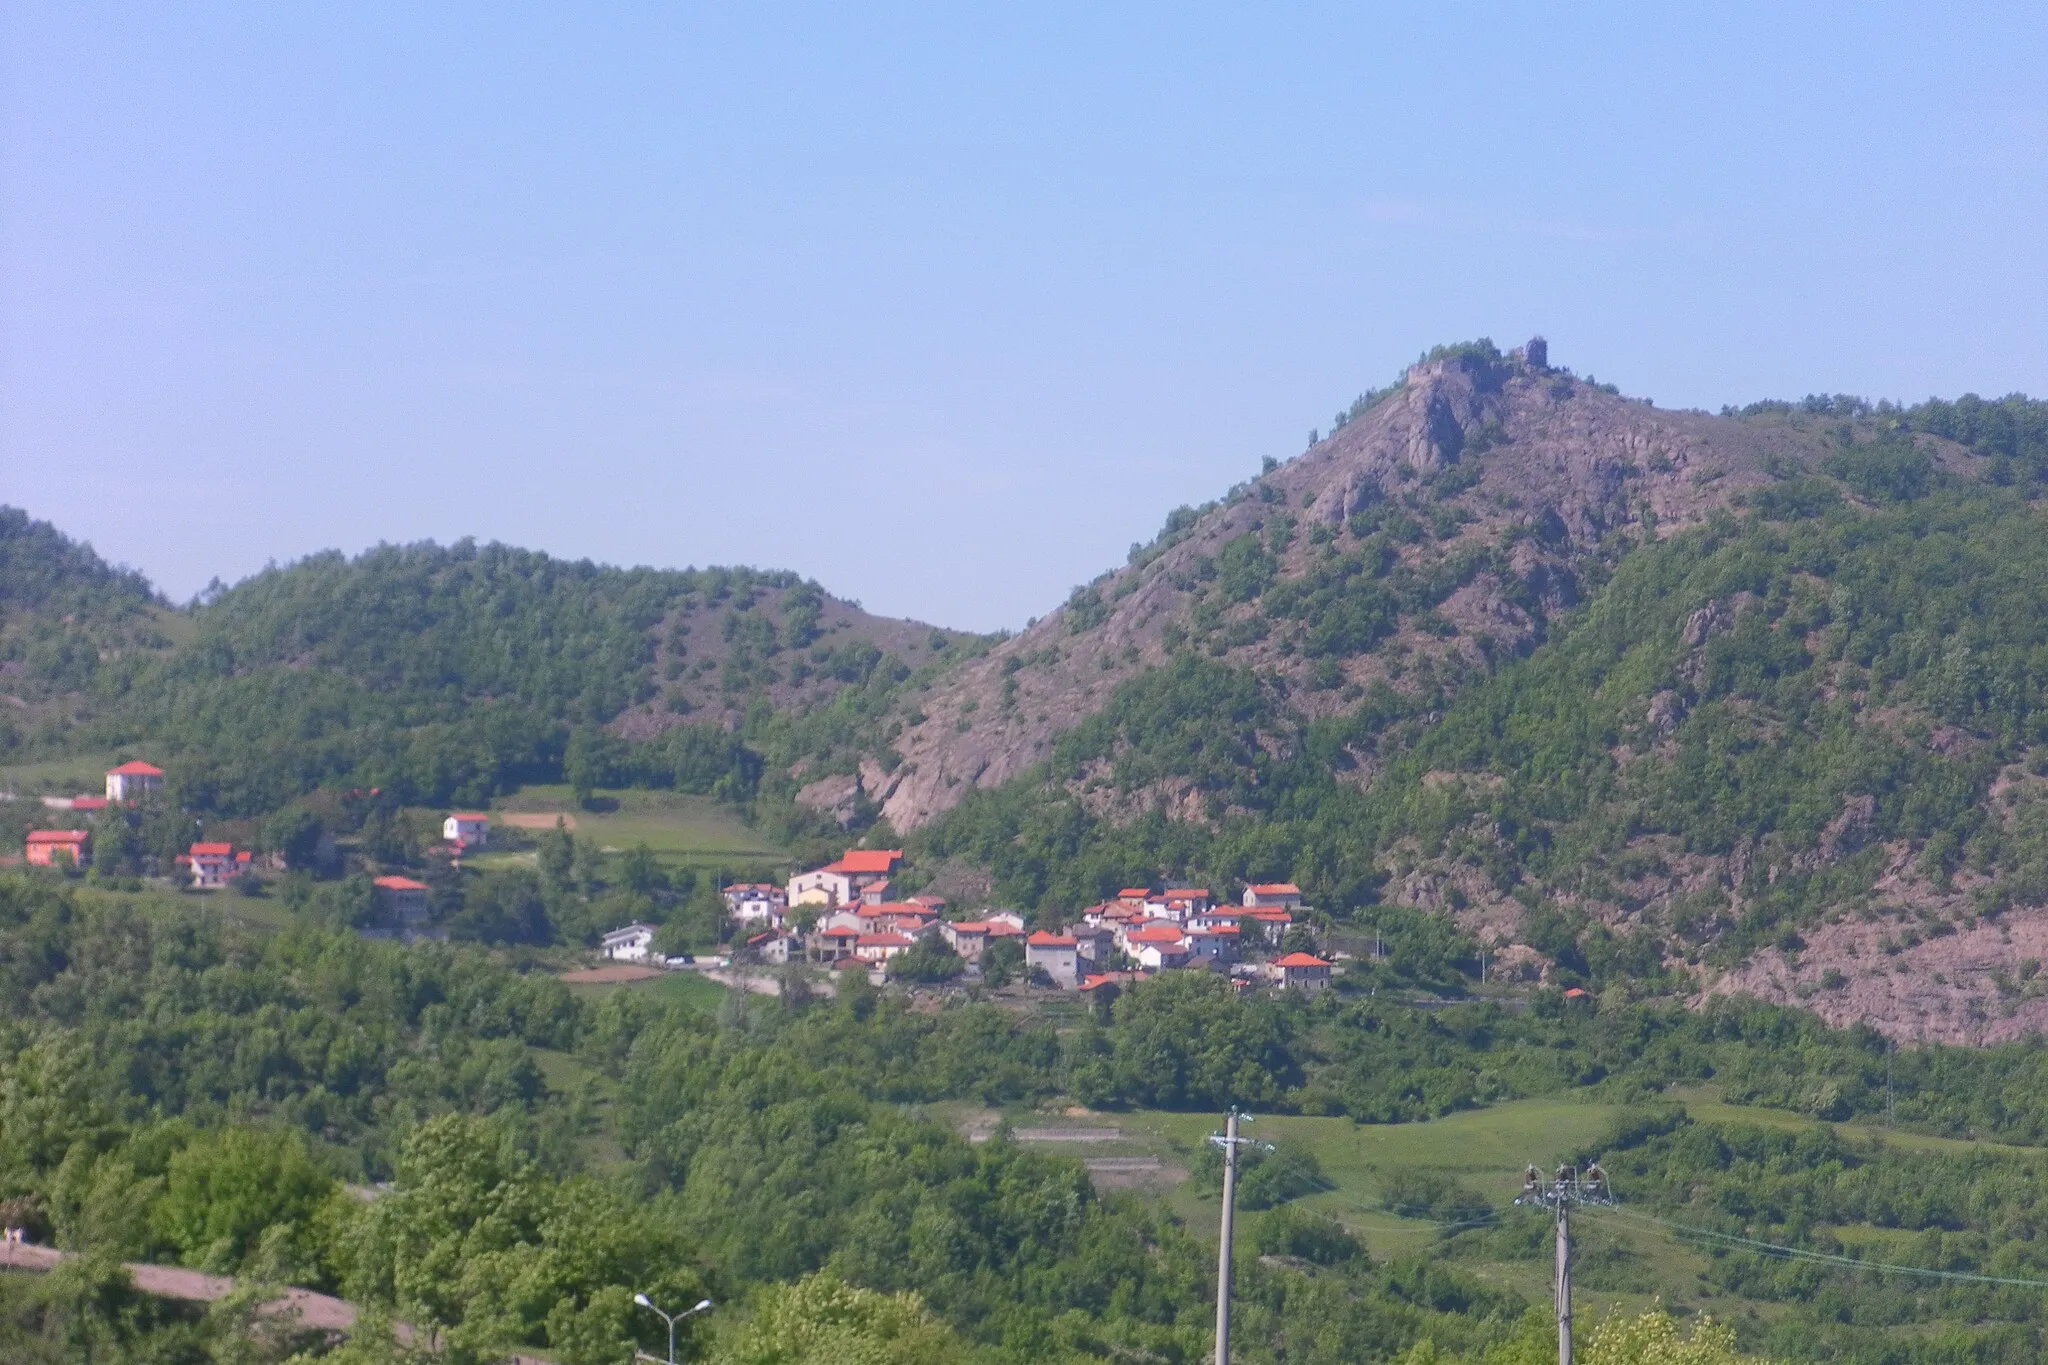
<point x="648" y="1304"/>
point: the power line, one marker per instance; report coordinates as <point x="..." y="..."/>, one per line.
<point x="1828" y="1258"/>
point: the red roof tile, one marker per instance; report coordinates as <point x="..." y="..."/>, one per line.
<point x="399" y="884"/>
<point x="862" y="861"/>
<point x="1041" y="939"/>
<point x="1276" y="889"/>
<point x="137" y="768"/>
<point x="57" y="836"/>
<point x="1156" y="933"/>
<point x="213" y="850"/>
<point x="1300" y="960"/>
<point x="884" y="940"/>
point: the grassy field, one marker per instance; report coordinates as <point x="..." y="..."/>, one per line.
<point x="688" y="988"/>
<point x="260" y="912"/>
<point x="692" y="830"/>
<point x="79" y="775"/>
<point x="1627" y="1263"/>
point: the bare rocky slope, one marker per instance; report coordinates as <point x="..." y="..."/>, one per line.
<point x="1489" y="453"/>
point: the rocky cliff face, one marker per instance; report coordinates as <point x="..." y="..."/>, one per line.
<point x="1494" y="483"/>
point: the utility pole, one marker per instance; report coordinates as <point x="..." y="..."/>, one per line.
<point x="1569" y="1188"/>
<point x="1229" y="1141"/>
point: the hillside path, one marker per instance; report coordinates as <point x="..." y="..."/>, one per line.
<point x="321" y="1311"/>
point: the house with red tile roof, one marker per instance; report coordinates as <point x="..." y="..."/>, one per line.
<point x="1272" y="896"/>
<point x="1299" y="971"/>
<point x="132" y="781"/>
<point x="966" y="937"/>
<point x="1158" y="947"/>
<point x="840" y="883"/>
<point x="404" y="903"/>
<point x="466" y="829"/>
<point x="1056" y="956"/>
<point x="898" y="916"/>
<point x="1111" y="981"/>
<point x="876" y="949"/>
<point x="774" y="947"/>
<point x="213" y="865"/>
<point x="57" y="848"/>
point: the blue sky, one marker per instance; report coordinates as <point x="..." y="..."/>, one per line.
<point x="942" y="305"/>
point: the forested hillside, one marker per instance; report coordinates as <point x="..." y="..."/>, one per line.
<point x="1795" y="743"/>
<point x="441" y="674"/>
<point x="177" y="1088"/>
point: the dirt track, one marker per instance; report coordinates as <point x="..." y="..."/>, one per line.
<point x="534" y="819"/>
<point x="319" y="1311"/>
<point x="612" y="975"/>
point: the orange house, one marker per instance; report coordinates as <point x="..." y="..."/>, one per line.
<point x="56" y="848"/>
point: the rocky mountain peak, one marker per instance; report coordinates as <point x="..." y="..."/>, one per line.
<point x="1463" y="504"/>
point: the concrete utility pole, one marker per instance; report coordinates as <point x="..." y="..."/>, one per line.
<point x="1229" y="1141"/>
<point x="1569" y="1188"/>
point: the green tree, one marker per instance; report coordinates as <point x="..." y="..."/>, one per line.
<point x="296" y="833"/>
<point x="225" y="1190"/>
<point x="820" y="1321"/>
<point x="1002" y="962"/>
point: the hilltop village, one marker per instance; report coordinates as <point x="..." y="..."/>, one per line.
<point x="844" y="917"/>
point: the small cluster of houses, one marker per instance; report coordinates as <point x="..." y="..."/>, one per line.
<point x="127" y="784"/>
<point x="207" y="866"/>
<point x="855" y="921"/>
<point x="211" y="865"/>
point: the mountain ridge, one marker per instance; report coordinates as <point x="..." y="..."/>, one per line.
<point x="1533" y="460"/>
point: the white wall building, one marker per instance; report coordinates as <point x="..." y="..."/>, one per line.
<point x="634" y="943"/>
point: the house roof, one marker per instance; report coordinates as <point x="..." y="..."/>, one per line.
<point x="1093" y="981"/>
<point x="88" y="803"/>
<point x="1221" y="931"/>
<point x="1300" y="960"/>
<point x="213" y="850"/>
<point x="973" y="926"/>
<point x="1269" y="914"/>
<point x="883" y="940"/>
<point x="58" y="836"/>
<point x="1003" y="929"/>
<point x="1574" y="993"/>
<point x="840" y="931"/>
<point x="467" y="815"/>
<point x="1134" y="893"/>
<point x="136" y="768"/>
<point x="1187" y="894"/>
<point x="405" y="884"/>
<point x="863" y="861"/>
<point x="1156" y="933"/>
<point x="615" y="935"/>
<point x="1042" y="939"/>
<point x="929" y="902"/>
<point x="1275" y="889"/>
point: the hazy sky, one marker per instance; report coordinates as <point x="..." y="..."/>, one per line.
<point x="942" y="305"/>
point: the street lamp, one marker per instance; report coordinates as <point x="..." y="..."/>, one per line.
<point x="648" y="1304"/>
